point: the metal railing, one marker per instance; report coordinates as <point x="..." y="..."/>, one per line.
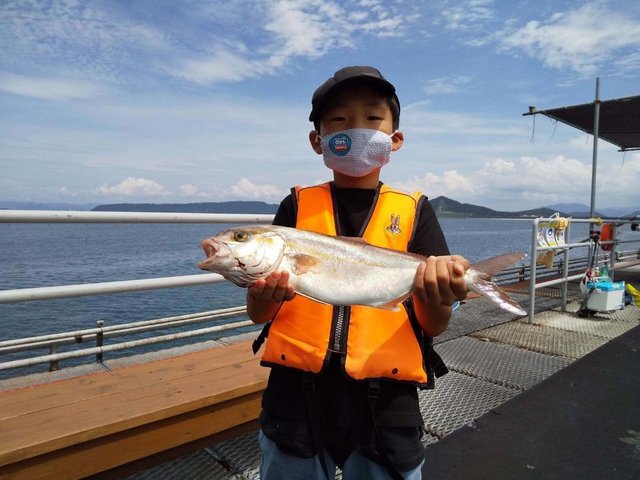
<point x="97" y="335"/>
<point x="612" y="258"/>
<point x="101" y="333"/>
<point x="66" y="291"/>
<point x="558" y="274"/>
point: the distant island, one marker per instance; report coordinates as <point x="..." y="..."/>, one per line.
<point x="446" y="207"/>
<point x="443" y="206"/>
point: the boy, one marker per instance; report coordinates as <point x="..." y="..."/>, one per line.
<point x="342" y="390"/>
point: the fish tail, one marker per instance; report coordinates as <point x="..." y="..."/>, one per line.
<point x="481" y="283"/>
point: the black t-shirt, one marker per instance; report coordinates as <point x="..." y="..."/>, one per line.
<point x="341" y="403"/>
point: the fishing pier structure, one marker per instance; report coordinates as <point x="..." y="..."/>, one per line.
<point x="186" y="411"/>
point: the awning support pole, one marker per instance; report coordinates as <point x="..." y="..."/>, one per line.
<point x="594" y="162"/>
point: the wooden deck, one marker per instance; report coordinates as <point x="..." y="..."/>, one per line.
<point x="93" y="424"/>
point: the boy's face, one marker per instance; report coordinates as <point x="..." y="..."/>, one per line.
<point x="359" y="107"/>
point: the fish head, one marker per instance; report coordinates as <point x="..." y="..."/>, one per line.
<point x="243" y="254"/>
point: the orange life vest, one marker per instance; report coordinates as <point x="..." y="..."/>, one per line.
<point x="374" y="343"/>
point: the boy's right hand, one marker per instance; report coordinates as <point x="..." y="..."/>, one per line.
<point x="274" y="288"/>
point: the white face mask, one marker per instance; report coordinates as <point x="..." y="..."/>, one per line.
<point x="356" y="152"/>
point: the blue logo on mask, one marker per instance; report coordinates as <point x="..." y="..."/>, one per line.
<point x="340" y="144"/>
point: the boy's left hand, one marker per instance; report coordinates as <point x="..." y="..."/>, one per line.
<point x="440" y="280"/>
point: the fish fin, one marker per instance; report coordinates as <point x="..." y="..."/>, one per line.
<point x="392" y="305"/>
<point x="493" y="265"/>
<point x="483" y="285"/>
<point x="302" y="263"/>
<point x="312" y="298"/>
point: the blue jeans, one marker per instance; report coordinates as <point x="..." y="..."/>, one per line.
<point x="277" y="465"/>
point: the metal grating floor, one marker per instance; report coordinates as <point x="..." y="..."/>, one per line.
<point x="608" y="327"/>
<point x="241" y="455"/>
<point x="197" y="466"/>
<point x="488" y="367"/>
<point x="497" y="363"/>
<point x="538" y="338"/>
<point x="457" y="400"/>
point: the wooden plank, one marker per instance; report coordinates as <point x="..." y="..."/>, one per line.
<point x="101" y="454"/>
<point x="96" y="385"/>
<point x="48" y="430"/>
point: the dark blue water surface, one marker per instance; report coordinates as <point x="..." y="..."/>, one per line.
<point x="37" y="255"/>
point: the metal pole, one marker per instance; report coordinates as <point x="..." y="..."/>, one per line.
<point x="565" y="268"/>
<point x="594" y="161"/>
<point x="532" y="277"/>
<point x="56" y="216"/>
<point x="79" y="290"/>
<point x="100" y="342"/>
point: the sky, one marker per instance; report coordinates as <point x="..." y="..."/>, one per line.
<point x="193" y="101"/>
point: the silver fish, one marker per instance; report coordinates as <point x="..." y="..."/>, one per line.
<point x="336" y="270"/>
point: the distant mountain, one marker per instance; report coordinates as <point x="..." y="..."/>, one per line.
<point x="581" y="210"/>
<point x="445" y="207"/>
<point x="569" y="207"/>
<point x="203" y="207"/>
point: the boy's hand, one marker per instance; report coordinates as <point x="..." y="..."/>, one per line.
<point x="274" y="288"/>
<point x="440" y="280"/>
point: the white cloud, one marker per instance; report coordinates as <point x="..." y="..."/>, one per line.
<point x="48" y="88"/>
<point x="294" y="29"/>
<point x="554" y="175"/>
<point x="90" y="38"/>
<point x="66" y="192"/>
<point x="471" y="15"/>
<point x="247" y="189"/>
<point x="580" y="40"/>
<point x="135" y="186"/>
<point x="221" y="66"/>
<point x="446" y="85"/>
<point x="450" y="183"/>
<point x="512" y="183"/>
<point x="189" y="190"/>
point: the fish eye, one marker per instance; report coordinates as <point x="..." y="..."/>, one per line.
<point x="240" y="236"/>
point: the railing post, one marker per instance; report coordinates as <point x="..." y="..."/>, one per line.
<point x="100" y="341"/>
<point x="53" y="364"/>
<point x="532" y="277"/>
<point x="565" y="267"/>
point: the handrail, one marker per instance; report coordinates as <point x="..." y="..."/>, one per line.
<point x="67" y="291"/>
<point x="57" y="216"/>
<point x="87" y="334"/>
<point x="99" y="350"/>
<point x="102" y="288"/>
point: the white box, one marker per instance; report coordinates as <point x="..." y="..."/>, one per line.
<point x="606" y="296"/>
